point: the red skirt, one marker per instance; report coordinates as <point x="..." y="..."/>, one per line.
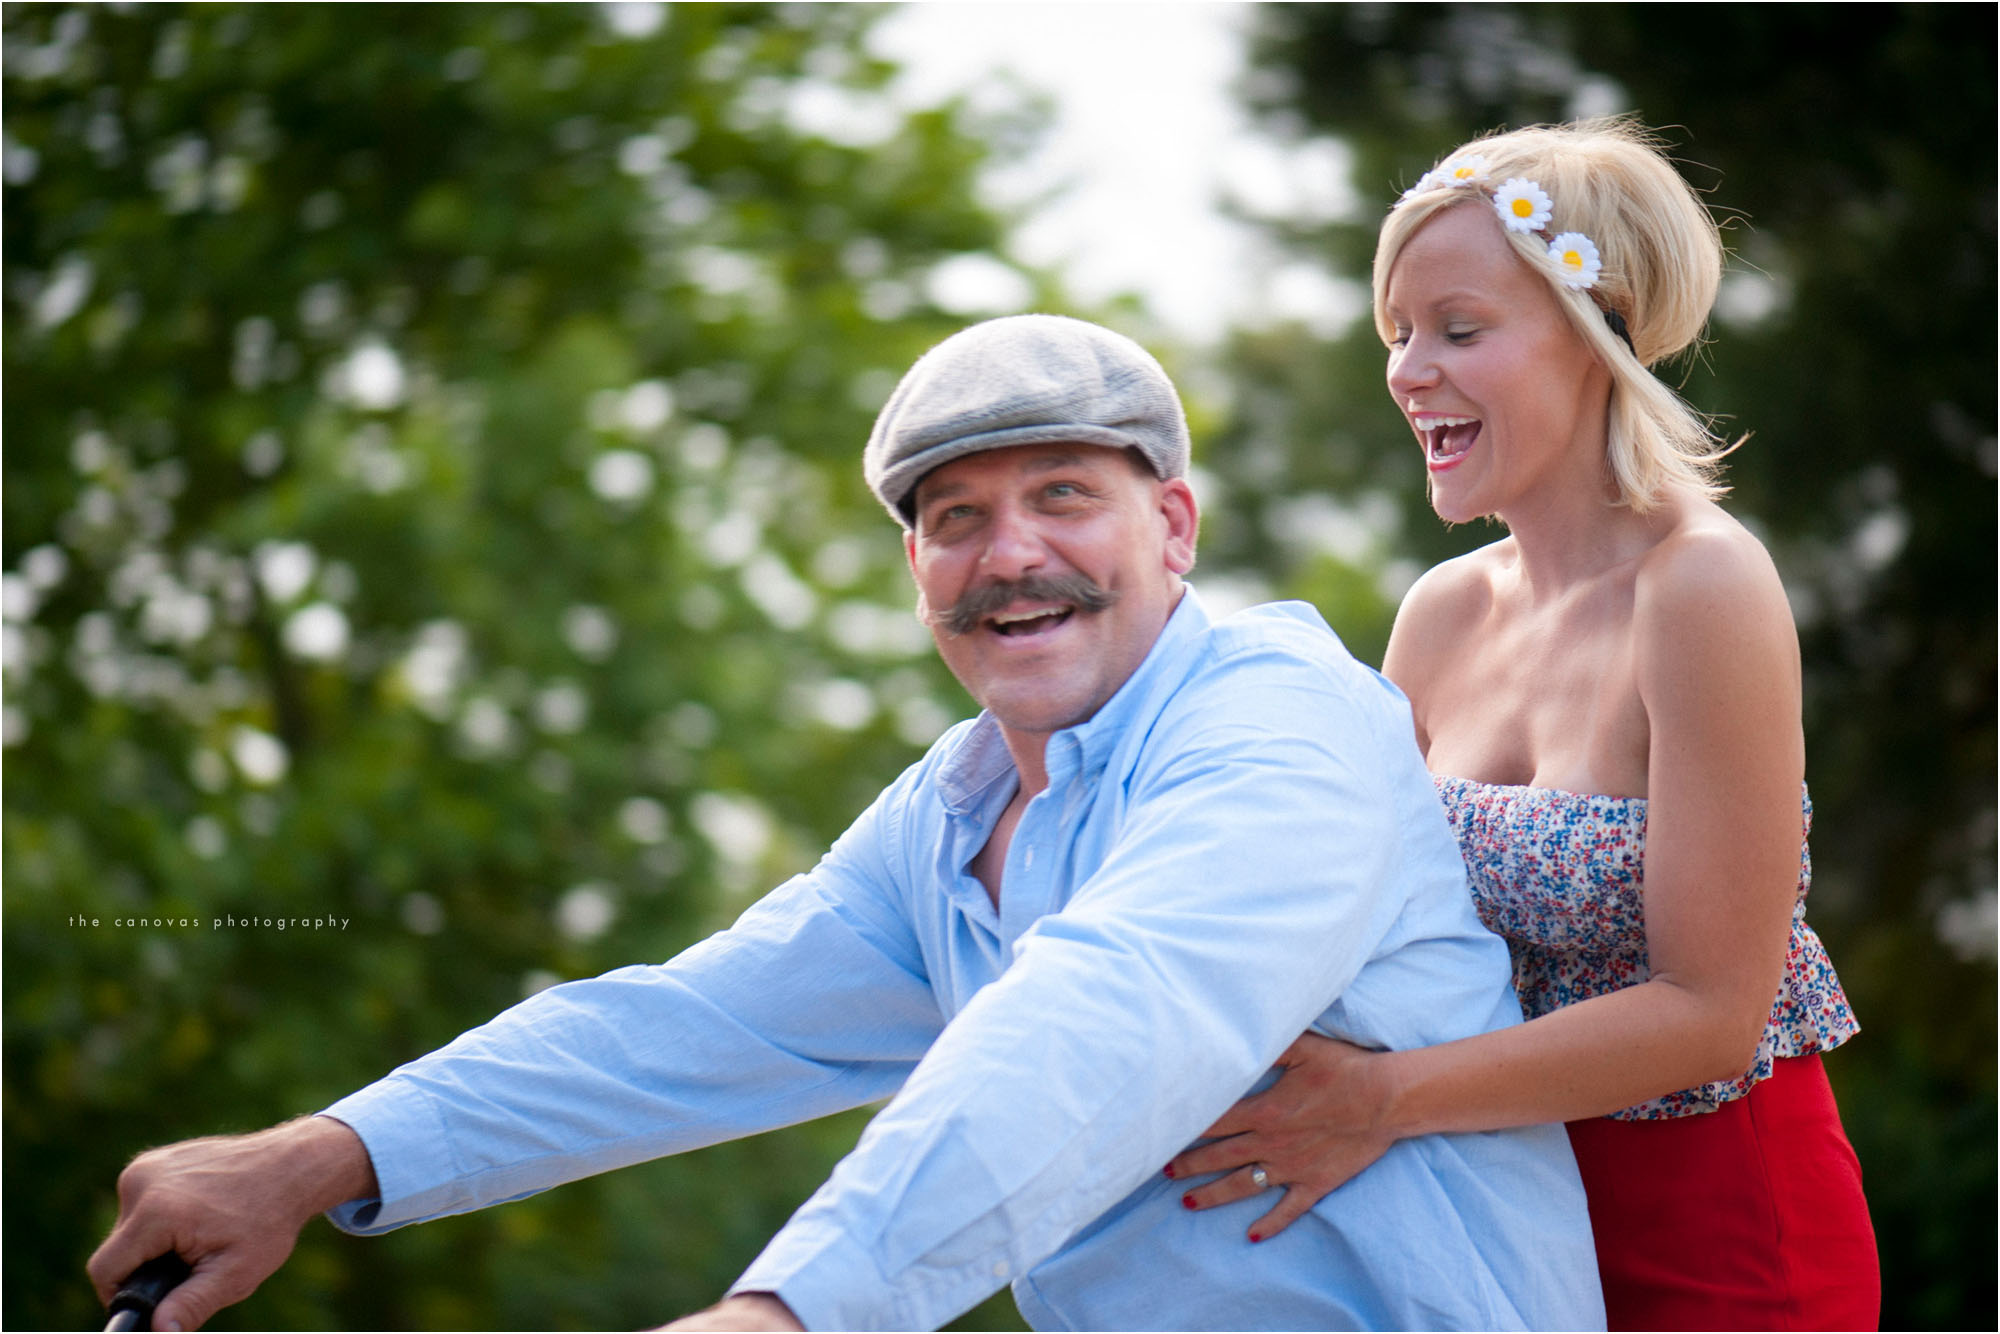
<point x="1747" y="1217"/>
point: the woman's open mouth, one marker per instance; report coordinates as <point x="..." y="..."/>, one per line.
<point x="1445" y="439"/>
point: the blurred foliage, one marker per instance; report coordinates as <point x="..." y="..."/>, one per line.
<point x="1851" y="149"/>
<point x="432" y="502"/>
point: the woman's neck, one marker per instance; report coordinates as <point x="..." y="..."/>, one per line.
<point x="1568" y="533"/>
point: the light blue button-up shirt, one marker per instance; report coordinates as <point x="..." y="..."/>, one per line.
<point x="1242" y="843"/>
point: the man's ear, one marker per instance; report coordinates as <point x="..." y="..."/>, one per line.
<point x="910" y="554"/>
<point x="1183" y="518"/>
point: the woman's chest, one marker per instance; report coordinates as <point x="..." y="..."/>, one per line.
<point x="1548" y="701"/>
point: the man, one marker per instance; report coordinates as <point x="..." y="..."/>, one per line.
<point x="1072" y="934"/>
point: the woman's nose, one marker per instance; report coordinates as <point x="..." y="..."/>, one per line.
<point x="1412" y="368"/>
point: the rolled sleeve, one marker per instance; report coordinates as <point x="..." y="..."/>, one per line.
<point x="814" y="1002"/>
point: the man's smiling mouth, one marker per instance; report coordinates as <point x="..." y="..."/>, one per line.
<point x="1015" y="623"/>
<point x="1024" y="607"/>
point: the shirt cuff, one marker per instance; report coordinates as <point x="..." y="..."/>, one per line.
<point x="406" y="1141"/>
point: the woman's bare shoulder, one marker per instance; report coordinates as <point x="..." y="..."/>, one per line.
<point x="1460" y="586"/>
<point x="1447" y="598"/>
<point x="1708" y="563"/>
<point x="1710" y="617"/>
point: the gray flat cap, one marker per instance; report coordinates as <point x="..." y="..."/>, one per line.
<point x="1023" y="380"/>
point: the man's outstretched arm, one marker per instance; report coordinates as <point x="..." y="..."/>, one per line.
<point x="753" y="1028"/>
<point x="231" y="1206"/>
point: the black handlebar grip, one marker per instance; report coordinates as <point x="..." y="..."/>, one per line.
<point x="144" y="1289"/>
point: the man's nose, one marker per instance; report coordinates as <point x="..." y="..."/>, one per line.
<point x="1014" y="543"/>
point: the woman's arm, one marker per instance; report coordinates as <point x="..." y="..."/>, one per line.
<point x="1718" y="675"/>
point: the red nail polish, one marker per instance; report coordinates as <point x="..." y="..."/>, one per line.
<point x="1187" y="1201"/>
<point x="1170" y="1171"/>
<point x="1255" y="1238"/>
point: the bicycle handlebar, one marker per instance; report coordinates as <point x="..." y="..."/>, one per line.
<point x="144" y="1289"/>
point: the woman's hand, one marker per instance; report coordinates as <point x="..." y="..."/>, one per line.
<point x="1319" y="1125"/>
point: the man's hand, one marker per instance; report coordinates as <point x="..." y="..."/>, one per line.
<point x="746" y="1310"/>
<point x="232" y="1206"/>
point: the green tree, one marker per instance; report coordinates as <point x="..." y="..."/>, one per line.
<point x="1850" y="146"/>
<point x="433" y="521"/>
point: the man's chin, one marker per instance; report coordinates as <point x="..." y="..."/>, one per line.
<point x="1039" y="715"/>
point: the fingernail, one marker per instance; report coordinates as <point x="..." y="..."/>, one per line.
<point x="1255" y="1237"/>
<point x="1187" y="1201"/>
<point x="1170" y="1171"/>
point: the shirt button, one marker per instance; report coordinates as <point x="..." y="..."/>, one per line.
<point x="1028" y="861"/>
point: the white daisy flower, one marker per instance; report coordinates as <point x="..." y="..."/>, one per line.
<point x="1522" y="205"/>
<point x="1576" y="255"/>
<point x="1467" y="170"/>
<point x="1424" y="182"/>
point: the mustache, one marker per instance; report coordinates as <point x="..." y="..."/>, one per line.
<point x="964" y="615"/>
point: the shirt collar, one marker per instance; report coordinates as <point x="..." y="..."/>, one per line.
<point x="981" y="756"/>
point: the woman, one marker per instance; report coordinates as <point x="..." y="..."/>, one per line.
<point x="1609" y="699"/>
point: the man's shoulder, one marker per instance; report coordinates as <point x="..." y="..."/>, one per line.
<point x="1274" y="656"/>
<point x="1294" y="627"/>
<point x="1278" y="641"/>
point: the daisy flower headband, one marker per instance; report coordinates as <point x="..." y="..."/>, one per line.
<point x="1523" y="206"/>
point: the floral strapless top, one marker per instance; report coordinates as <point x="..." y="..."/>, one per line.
<point x="1560" y="876"/>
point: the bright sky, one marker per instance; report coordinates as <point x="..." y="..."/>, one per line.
<point x="1150" y="139"/>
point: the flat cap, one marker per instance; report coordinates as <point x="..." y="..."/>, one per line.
<point x="1023" y="380"/>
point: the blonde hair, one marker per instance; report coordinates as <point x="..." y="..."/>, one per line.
<point x="1662" y="262"/>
